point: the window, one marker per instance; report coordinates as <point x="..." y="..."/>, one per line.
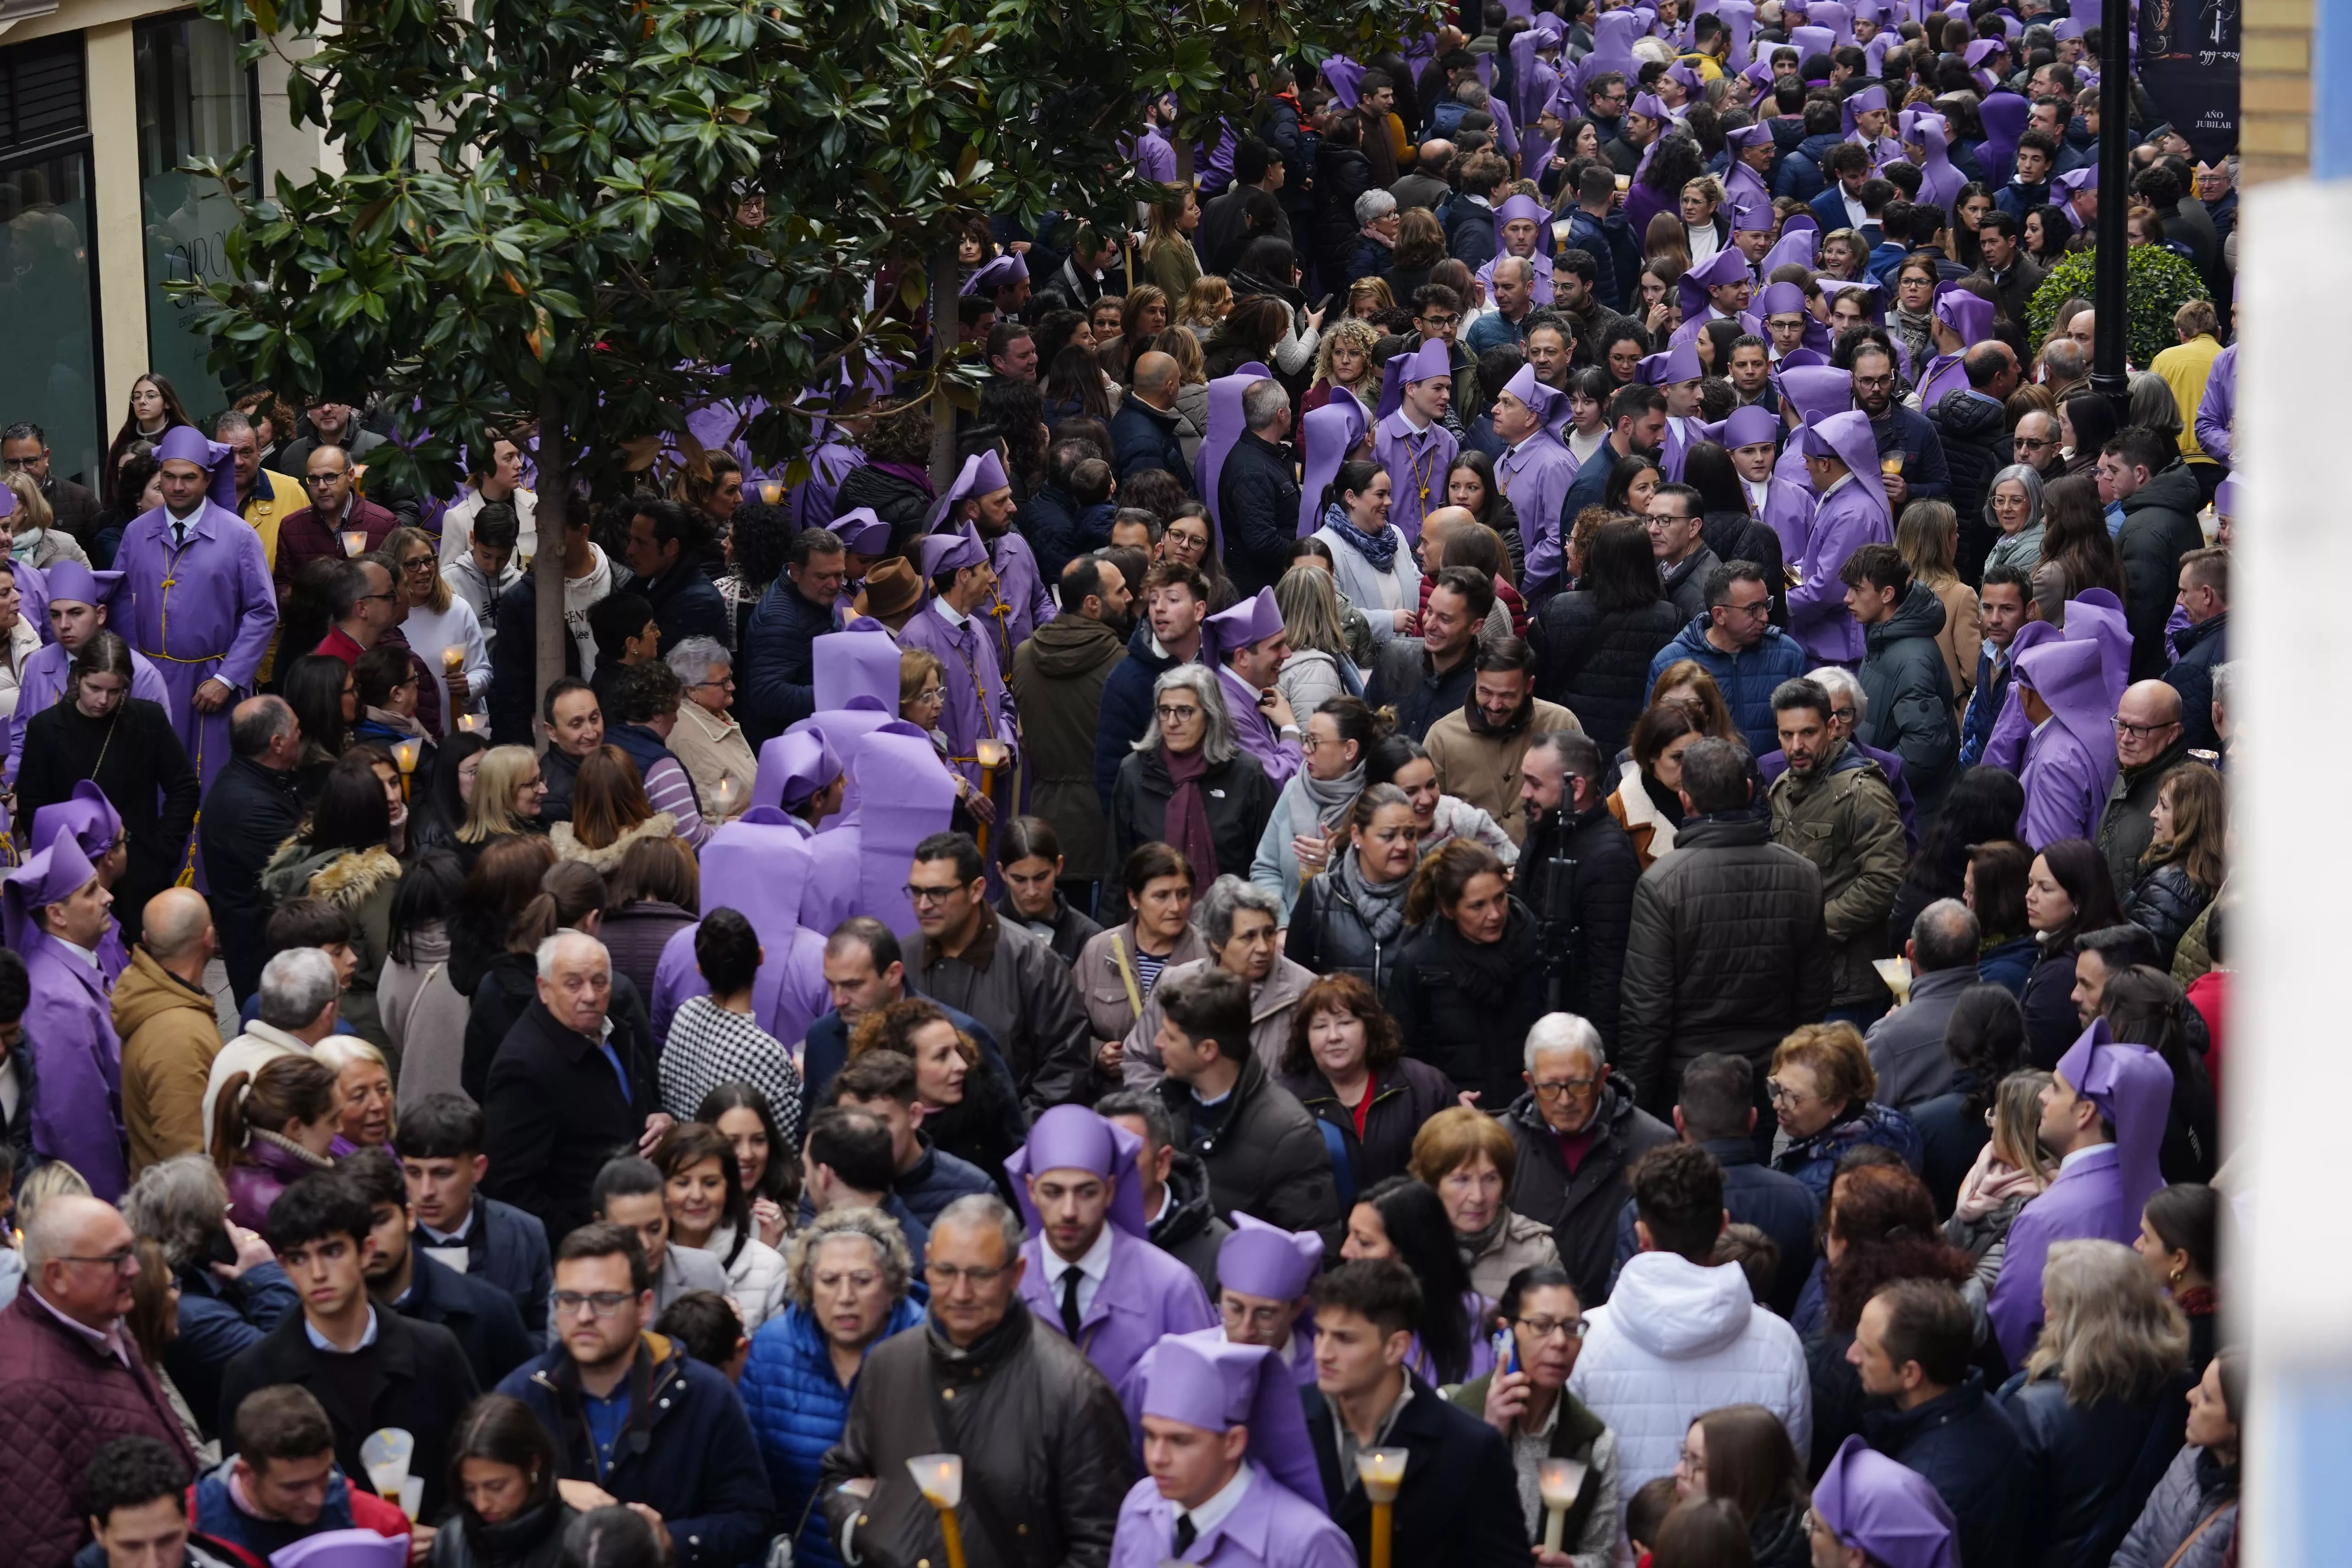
<point x="194" y="102"/>
<point x="47" y="276"/>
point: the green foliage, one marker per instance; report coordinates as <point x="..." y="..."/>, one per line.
<point x="2156" y="283"/>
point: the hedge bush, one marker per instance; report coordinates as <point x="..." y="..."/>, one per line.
<point x="2158" y="282"/>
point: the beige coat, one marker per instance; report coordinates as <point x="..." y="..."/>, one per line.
<point x="1523" y="1243"/>
<point x="1271" y="1002"/>
<point x="713" y="751"/>
<point x="1102" y="982"/>
<point x="169" y="1036"/>
<point x="1961" y="640"/>
<point x="260" y="1044"/>
<point x="1484" y="769"/>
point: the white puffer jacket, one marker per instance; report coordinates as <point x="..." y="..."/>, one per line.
<point x="1676" y="1340"/>
<point x="757" y="1281"/>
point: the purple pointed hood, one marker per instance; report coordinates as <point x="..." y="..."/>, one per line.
<point x="905" y="796"/>
<point x="1776" y="300"/>
<point x="1809" y="41"/>
<point x="849" y="665"/>
<point x="982" y="475"/>
<point x="48" y="877"/>
<point x="1262" y="1259"/>
<point x="1739" y="18"/>
<point x="2133" y="1090"/>
<point x="792" y="767"/>
<point x="1072" y="1138"/>
<point x="1002" y="273"/>
<point x="2225" y="498"/>
<point x="1869" y="98"/>
<point x="1818" y="391"/>
<point x="1613" y="47"/>
<point x="1224" y="432"/>
<point x="2004" y="115"/>
<point x="1725" y="266"/>
<point x="767" y="862"/>
<point x="1893" y="1513"/>
<point x="1940" y="179"/>
<point x="1676" y="365"/>
<point x="1970" y="315"/>
<point x="74" y="583"/>
<point x="862" y="532"/>
<point x="1750" y="424"/>
<point x="1343" y="76"/>
<point x="1431" y="360"/>
<point x="1832" y="15"/>
<point x="2096" y="616"/>
<point x="1216" y="1386"/>
<point x="1848" y="436"/>
<point x="85" y="816"/>
<point x="1799" y="243"/>
<point x="941" y="553"/>
<point x="186" y="444"/>
<point x="1252" y="621"/>
<point x="2071" y="678"/>
<point x="1329" y="435"/>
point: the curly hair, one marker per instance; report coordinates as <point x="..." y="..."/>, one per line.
<point x="899" y="435"/>
<point x="894" y="1028"/>
<point x="877" y="1229"/>
<point x="1347" y="329"/>
<point x="1885" y="1222"/>
<point x="1348" y="993"/>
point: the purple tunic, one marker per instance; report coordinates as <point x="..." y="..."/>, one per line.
<point x="1271" y="1527"/>
<point x="44" y="682"/>
<point x="2070" y="763"/>
<point x="2219" y="406"/>
<point x="811" y="501"/>
<point x="77" y="1067"/>
<point x="786" y="999"/>
<point x="1789" y="513"/>
<point x="1534" y="477"/>
<point x="1021" y="603"/>
<point x="205" y="611"/>
<point x="979" y="707"/>
<point x="2085" y="1201"/>
<point x="1846" y="520"/>
<point x="1255" y="733"/>
<point x="1146" y="1294"/>
<point x="1155" y="160"/>
<point x="1417" y="462"/>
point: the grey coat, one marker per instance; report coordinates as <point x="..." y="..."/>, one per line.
<point x="1907" y="1045"/>
<point x="2191" y="1489"/>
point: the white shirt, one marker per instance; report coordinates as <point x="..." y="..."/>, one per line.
<point x="458" y="525"/>
<point x="1854" y="215"/>
<point x="12" y="1088"/>
<point x="1093" y="1266"/>
<point x="2076" y="1156"/>
<point x="429" y="631"/>
<point x="320" y="1341"/>
<point x="582" y="595"/>
<point x="1214" y="1511"/>
<point x="949" y="613"/>
<point x="86" y="954"/>
<point x="1756" y="494"/>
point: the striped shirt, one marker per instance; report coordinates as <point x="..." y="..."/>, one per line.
<point x="709" y="1046"/>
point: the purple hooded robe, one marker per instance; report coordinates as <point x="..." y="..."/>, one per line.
<point x="766" y="860"/>
<point x="1246" y="624"/>
<point x="979" y="704"/>
<point x="43" y="680"/>
<point x="2070" y="761"/>
<point x="2219" y="406"/>
<point x="1851" y="514"/>
<point x="89" y="819"/>
<point x="1416" y="460"/>
<point x="1535" y="476"/>
<point x="68" y="1027"/>
<point x="1224" y="433"/>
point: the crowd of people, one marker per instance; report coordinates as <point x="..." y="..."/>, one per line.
<point x="1529" y="865"/>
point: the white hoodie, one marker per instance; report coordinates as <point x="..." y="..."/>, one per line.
<point x="1674" y="1342"/>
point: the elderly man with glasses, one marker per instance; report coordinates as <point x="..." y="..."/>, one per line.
<point x="707" y="739"/>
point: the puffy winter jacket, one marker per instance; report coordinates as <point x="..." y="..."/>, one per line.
<point x="1909" y="691"/>
<point x="1844" y="820"/>
<point x="1267" y="1160"/>
<point x="2165" y="905"/>
<point x="1747" y="678"/>
<point x="2159" y="528"/>
<point x="1582" y="1206"/>
<point x="1142" y="437"/>
<point x="1974" y="430"/>
<point x="1257" y="512"/>
<point x="2201" y="648"/>
<point x="1813" y="1161"/>
<point x="777" y="665"/>
<point x="1726" y="952"/>
<point x="1330" y="934"/>
<point x="1677" y="1339"/>
<point x="1057" y="528"/>
<point x="2190" y="1519"/>
<point x="2090" y="1468"/>
<point x="1801" y="171"/>
<point x="1596" y="663"/>
<point x="1600" y="902"/>
<point x="796" y="1408"/>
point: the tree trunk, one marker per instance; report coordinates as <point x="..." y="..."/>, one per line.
<point x="547" y="566"/>
<point x="946" y="328"/>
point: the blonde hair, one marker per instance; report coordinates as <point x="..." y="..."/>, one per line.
<point x="1184" y="345"/>
<point x="401" y="539"/>
<point x="32" y="507"/>
<point x="1923" y="537"/>
<point x="2111" y="1332"/>
<point x="1839" y="1060"/>
<point x="914" y="667"/>
<point x="1707" y="185"/>
<point x="1205" y="302"/>
<point x="497" y="777"/>
<point x="1348" y="329"/>
<point x="1309" y="603"/>
<point x="2017" y="1124"/>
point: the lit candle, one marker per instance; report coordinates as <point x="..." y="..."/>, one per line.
<point x="453" y="658"/>
<point x="992" y="755"/>
<point x="726" y="796"/>
<point x="468" y="722"/>
<point x="1381" y="1470"/>
<point x="1558" y="1481"/>
<point x="405" y="754"/>
<point x="354" y="542"/>
<point x="939" y="1478"/>
<point x="772" y="492"/>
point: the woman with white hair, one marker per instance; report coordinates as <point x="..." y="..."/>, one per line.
<point x="847" y="1272"/>
<point x="706" y="739"/>
<point x="1849" y="710"/>
<point x="2012" y="509"/>
<point x="1239" y="920"/>
<point x="1188" y="784"/>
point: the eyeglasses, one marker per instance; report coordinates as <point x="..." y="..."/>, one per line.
<point x="387" y="598"/>
<point x="1694" y="1464"/>
<point x="2141" y="731"/>
<point x="1781" y="1094"/>
<point x="600" y="1303"/>
<point x="932" y="694"/>
<point x="121" y="1260"/>
<point x="1842" y="715"/>
<point x="1761" y="607"/>
<point x="1544" y="1328"/>
<point x="1437" y="321"/>
<point x="916" y="895"/>
<point x="944" y="1275"/>
<point x="1875" y="382"/>
<point x="422" y="563"/>
<point x="1577" y="1087"/>
<point x="1177" y="715"/>
<point x="2029" y="444"/>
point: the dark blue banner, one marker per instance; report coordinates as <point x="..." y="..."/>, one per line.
<point x="2189" y="63"/>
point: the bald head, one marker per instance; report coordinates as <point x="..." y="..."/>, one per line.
<point x="2147" y="722"/>
<point x="1437" y="528"/>
<point x="2158" y="700"/>
<point x="1155" y="379"/>
<point x="175" y="920"/>
<point x="1435" y="155"/>
<point x="67" y="1244"/>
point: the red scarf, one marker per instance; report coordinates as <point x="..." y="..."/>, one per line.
<point x="1186" y="826"/>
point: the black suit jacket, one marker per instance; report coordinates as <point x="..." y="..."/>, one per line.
<point x="420" y="1383"/>
<point x="556" y="1112"/>
<point x="486" y="1321"/>
<point x="1459" y="1507"/>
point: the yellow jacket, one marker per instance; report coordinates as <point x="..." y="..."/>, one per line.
<point x="2185" y="368"/>
<point x="275" y="498"/>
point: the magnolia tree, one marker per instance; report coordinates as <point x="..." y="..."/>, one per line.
<point x="598" y="216"/>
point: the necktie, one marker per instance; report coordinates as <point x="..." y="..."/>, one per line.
<point x="1186" y="1534"/>
<point x="179" y="536"/>
<point x="1070" y="1277"/>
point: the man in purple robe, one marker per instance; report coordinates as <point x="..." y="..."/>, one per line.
<point x="1533" y="473"/>
<point x="1890" y="1514"/>
<point x="1250" y="646"/>
<point x="979" y="704"/>
<point x="1016" y="603"/>
<point x="55" y="912"/>
<point x="2103" y="1115"/>
<point x="1842" y="461"/>
<point x="89" y="819"/>
<point x="1154" y="155"/>
<point x="2219" y="407"/>
<point x="1519" y="226"/>
<point x="77" y="609"/>
<point x="1866" y="119"/>
<point x="1751" y="159"/>
<point x="1231" y="1478"/>
<point x="1092" y="1272"/>
<point x="202" y="603"/>
<point x="2069" y="760"/>
<point x="1752" y="435"/>
<point x="1408" y="441"/>
<point x="1678" y="374"/>
<point x="801" y="776"/>
<point x="1263" y="1273"/>
<point x="1958" y="321"/>
<point x="1716" y="290"/>
<point x="1224" y="429"/>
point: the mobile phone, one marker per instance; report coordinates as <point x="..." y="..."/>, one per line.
<point x="1325" y="304"/>
<point x="1507" y="1351"/>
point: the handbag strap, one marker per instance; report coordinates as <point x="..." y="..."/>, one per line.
<point x="2203" y="1526"/>
<point x="1126" y="974"/>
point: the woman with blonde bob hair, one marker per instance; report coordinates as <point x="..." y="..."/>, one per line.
<point x="508" y="789"/>
<point x="1468" y="1160"/>
<point x="2102" y="1388"/>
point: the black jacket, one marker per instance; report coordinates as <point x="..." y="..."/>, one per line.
<point x="1235" y="792"/>
<point x="75" y="510"/>
<point x="483" y="1318"/>
<point x="1596" y="663"/>
<point x="1257" y="510"/>
<point x="419" y="1381"/>
<point x="514" y="662"/>
<point x="686" y="604"/>
<point x="1460" y="1501"/>
<point x="1406" y="678"/>
<point x="1142" y="437"/>
<point x="136" y="757"/>
<point x="1727" y="953"/>
<point x="556" y="1113"/>
<point x="1190" y="1231"/>
<point x="1909" y="692"/>
<point x="2165" y="905"/>
<point x="1962" y="1441"/>
<point x="1774" y="1202"/>
<point x="2201" y="648"/>
<point x="1975" y="433"/>
<point x="777" y="670"/>
<point x="1341" y="175"/>
<point x="1404" y="1095"/>
<point x="1465" y="1008"/>
<point x="2159" y="528"/>
<point x="250" y="811"/>
<point x="1330" y="934"/>
<point x="1582" y="1206"/>
<point x="895" y="500"/>
<point x="2088" y="1467"/>
<point x="1600" y="904"/>
<point x="1265" y="1158"/>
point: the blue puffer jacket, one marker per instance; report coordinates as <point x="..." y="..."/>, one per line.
<point x="1800" y="172"/>
<point x="1747" y="678"/>
<point x="1813" y="1161"/>
<point x="797" y="1409"/>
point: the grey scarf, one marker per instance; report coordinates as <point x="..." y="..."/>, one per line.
<point x="1381" y="904"/>
<point x="1332" y="797"/>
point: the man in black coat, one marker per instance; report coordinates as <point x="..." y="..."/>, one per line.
<point x="1588" y="900"/>
<point x="590" y="578"/>
<point x="1264" y="1154"/>
<point x="778" y="667"/>
<point x="253" y="807"/>
<point x="562" y="1096"/>
<point x="1460" y="1499"/>
<point x="1143" y="431"/>
<point x="1571" y="1099"/>
<point x="665" y="553"/>
<point x="73" y="510"/>
<point x="1912" y="1348"/>
<point x="405" y="1278"/>
<point x="1257" y="496"/>
<point x="1973" y="425"/>
<point x="2160" y="499"/>
<point x="2202" y="645"/>
<point x="368" y="1368"/>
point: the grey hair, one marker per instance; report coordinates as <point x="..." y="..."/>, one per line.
<point x="54" y="1179"/>
<point x="2152" y="405"/>
<point x="1524" y="267"/>
<point x="1262" y="403"/>
<point x="296" y="987"/>
<point x="1227" y="897"/>
<point x="1944" y="936"/>
<point x="1566" y="1032"/>
<point x="2063" y="358"/>
<point x="550" y="949"/>
<point x="1840" y="683"/>
<point x="340" y="1051"/>
<point x="2029" y="477"/>
<point x="692" y="660"/>
<point x="1217" y="738"/>
<point x="876" y="1229"/>
<point x="1373" y="205"/>
<point x="2224" y="676"/>
<point x="178" y="1204"/>
<point x="1147" y="1108"/>
<point x="986" y="1211"/>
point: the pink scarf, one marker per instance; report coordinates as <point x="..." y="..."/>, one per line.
<point x="1186" y="826"/>
<point x="1990" y="1183"/>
